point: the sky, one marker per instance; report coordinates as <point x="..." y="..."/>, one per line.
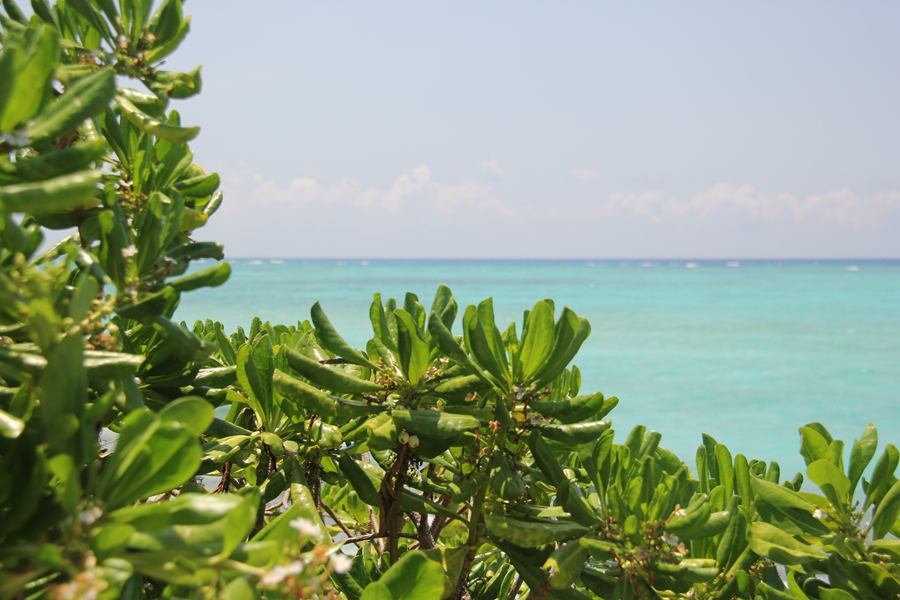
<point x="549" y="129"/>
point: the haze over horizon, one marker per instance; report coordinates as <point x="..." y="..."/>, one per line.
<point x="530" y="130"/>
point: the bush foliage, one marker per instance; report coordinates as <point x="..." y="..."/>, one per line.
<point x="140" y="458"/>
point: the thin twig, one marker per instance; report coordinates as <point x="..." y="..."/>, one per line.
<point x="334" y="518"/>
<point x="226" y="479"/>
<point x="374" y="522"/>
<point x="372" y="536"/>
<point x="426" y="541"/>
<point x="515" y="588"/>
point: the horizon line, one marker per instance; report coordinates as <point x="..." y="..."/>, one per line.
<point x="579" y="259"/>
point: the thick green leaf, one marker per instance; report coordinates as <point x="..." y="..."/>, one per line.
<point x="68" y="484"/>
<point x="148" y="124"/>
<point x="436" y="424"/>
<point x="451" y="348"/>
<point x="861" y="454"/>
<point x="21" y="98"/>
<point x="318" y="402"/>
<point x="163" y="49"/>
<point x="335" y="380"/>
<point x="192" y="412"/>
<point x="383" y="332"/>
<point x="577" y="433"/>
<point x="301" y="496"/>
<point x="412" y="347"/>
<point x="725" y="469"/>
<point x="531" y="534"/>
<point x="184" y="343"/>
<point x="770" y="542"/>
<point x="835" y="594"/>
<point x="813" y="446"/>
<point x="63" y="389"/>
<point x="482" y="340"/>
<point x="451" y="562"/>
<point x="200" y="186"/>
<point x="152" y="456"/>
<point x="210" y="277"/>
<point x="255" y="369"/>
<point x="886" y="513"/>
<point x="413" y="577"/>
<point x="882" y="474"/>
<point x="86" y="98"/>
<point x="240" y="521"/>
<point x="573" y="410"/>
<point x="115" y="243"/>
<point x="52" y="164"/>
<point x="505" y="480"/>
<point x="444" y="306"/>
<point x="537" y="340"/>
<point x="571" y="332"/>
<point x="62" y="193"/>
<point x="10" y="427"/>
<point x="151" y="306"/>
<point x="565" y="564"/>
<point x="333" y="342"/>
<point x="832" y="482"/>
<point x="170" y="168"/>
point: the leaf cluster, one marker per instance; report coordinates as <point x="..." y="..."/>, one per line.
<point x="141" y="458"/>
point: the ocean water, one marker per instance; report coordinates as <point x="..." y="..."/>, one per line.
<point x="746" y="351"/>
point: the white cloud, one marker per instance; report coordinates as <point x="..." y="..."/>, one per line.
<point x="301" y="190"/>
<point x="492" y="166"/>
<point x="418" y="215"/>
<point x="405" y="188"/>
<point x="724" y="202"/>
<point x="415" y="189"/>
<point x="586" y="175"/>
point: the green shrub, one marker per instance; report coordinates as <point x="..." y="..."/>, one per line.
<point x="460" y="466"/>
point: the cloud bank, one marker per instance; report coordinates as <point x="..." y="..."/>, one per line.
<point x="418" y="216"/>
<point x="724" y="201"/>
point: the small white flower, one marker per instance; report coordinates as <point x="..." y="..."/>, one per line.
<point x="16" y="140"/>
<point x="519" y="392"/>
<point x="280" y="572"/>
<point x="670" y="539"/>
<point x="340" y="563"/>
<point x="88" y="517"/>
<point x="273" y="577"/>
<point x="305" y="527"/>
<point x="129" y="251"/>
<point x="680" y="513"/>
<point x="820" y="514"/>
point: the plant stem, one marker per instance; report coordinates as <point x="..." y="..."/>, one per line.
<point x="335" y="518"/>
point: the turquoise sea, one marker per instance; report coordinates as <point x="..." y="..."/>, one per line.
<point x="747" y="351"/>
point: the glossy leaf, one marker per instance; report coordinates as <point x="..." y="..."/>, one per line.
<point x="332" y="341"/>
<point x="414" y="576"/>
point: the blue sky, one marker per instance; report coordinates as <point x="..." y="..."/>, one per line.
<point x="550" y="130"/>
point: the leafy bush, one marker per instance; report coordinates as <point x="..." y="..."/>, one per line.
<point x="453" y="466"/>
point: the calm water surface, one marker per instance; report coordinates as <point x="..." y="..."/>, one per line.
<point x="746" y="351"/>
